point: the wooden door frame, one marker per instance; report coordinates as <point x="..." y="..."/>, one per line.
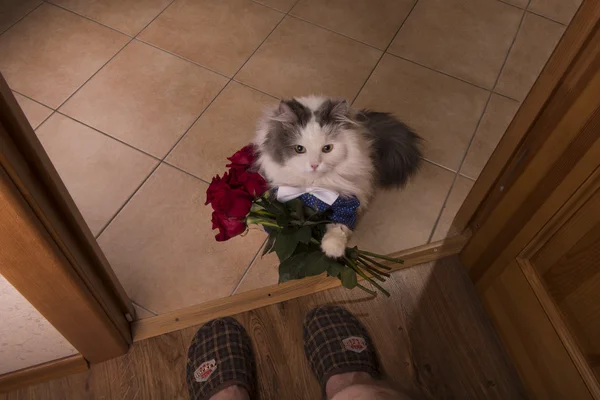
<point x="48" y="253"/>
<point x="499" y="211"/>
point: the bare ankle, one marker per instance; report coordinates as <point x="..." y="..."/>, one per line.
<point x="339" y="382"/>
<point x="234" y="392"/>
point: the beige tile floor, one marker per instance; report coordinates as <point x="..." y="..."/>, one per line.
<point x="138" y="102"/>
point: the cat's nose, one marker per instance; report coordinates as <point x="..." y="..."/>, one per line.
<point x="314" y="166"/>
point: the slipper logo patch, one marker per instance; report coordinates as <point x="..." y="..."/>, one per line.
<point x="205" y="370"/>
<point x="355" y="344"/>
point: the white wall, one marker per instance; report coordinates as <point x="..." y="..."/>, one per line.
<point x="26" y="337"/>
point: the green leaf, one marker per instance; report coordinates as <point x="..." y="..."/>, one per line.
<point x="348" y="278"/>
<point x="285" y="244"/>
<point x="304" y="234"/>
<point x="334" y="268"/>
<point x="282" y="220"/>
<point x="299" y="205"/>
<point x="289" y="269"/>
<point x="316" y="263"/>
<point x="270" y="243"/>
<point x="352" y="252"/>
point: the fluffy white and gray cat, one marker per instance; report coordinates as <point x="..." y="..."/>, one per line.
<point x="320" y="142"/>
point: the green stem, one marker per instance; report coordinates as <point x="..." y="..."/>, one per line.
<point x="396" y="260"/>
<point x="261" y="221"/>
<point x="315" y="241"/>
<point x="262" y="213"/>
<point x="371" y="292"/>
<point x="356" y="269"/>
<point x="373" y="270"/>
<point x="370" y="270"/>
<point x="377" y="263"/>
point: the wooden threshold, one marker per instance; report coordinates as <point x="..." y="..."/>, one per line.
<point x="198" y="314"/>
<point x="42" y="372"/>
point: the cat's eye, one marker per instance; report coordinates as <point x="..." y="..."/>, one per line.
<point x="299" y="149"/>
<point x="327" y="148"/>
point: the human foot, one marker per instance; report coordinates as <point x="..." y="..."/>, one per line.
<point x="220" y="363"/>
<point x="339" y="349"/>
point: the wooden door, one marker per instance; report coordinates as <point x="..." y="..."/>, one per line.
<point x="534" y="254"/>
<point x="48" y="253"/>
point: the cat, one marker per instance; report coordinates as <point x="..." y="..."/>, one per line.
<point x="319" y="142"/>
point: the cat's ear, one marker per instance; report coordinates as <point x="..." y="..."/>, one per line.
<point x="291" y="111"/>
<point x="340" y="110"/>
<point x="284" y="108"/>
<point x="334" y="112"/>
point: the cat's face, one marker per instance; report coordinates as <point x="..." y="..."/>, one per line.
<point x="308" y="140"/>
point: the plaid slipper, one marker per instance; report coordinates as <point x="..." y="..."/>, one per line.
<point x="336" y="342"/>
<point x="220" y="356"/>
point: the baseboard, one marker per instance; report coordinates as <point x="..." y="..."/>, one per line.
<point x="55" y="369"/>
<point x="198" y="314"/>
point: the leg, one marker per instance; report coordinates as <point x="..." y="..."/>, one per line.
<point x="335" y="240"/>
<point x="361" y="386"/>
<point x="220" y="362"/>
<point x="342" y="356"/>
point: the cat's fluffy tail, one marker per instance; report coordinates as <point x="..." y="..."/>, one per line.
<point x="396" y="148"/>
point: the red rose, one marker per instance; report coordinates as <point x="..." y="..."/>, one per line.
<point x="232" y="202"/>
<point x="231" y="196"/>
<point x="228" y="227"/>
<point x="242" y="159"/>
<point x="253" y="183"/>
<point x="218" y="185"/>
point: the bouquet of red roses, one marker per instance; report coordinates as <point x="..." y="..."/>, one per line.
<point x="242" y="197"/>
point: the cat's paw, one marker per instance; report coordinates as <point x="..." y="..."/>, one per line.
<point x="334" y="241"/>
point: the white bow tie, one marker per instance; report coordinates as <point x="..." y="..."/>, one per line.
<point x="287" y="193"/>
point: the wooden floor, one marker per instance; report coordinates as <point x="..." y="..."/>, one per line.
<point x="432" y="334"/>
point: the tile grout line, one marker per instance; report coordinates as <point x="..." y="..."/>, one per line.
<point x="383" y="53"/>
<point x="22" y="18"/>
<point x="107" y="135"/>
<point x="248" y="59"/>
<point x="159" y="164"/>
<point x="111" y="219"/>
<point x="450" y="76"/>
<point x="437" y="220"/>
<point x="227" y="84"/>
<point x="42" y="123"/>
<point x="194" y="122"/>
<point x="495" y="84"/>
<point x="546" y="18"/>
<point x="184" y="171"/>
<point x="494" y="87"/>
<point x="255" y="88"/>
<point x="339" y="33"/>
<point x="94" y="74"/>
<point x="477" y="126"/>
<point x="329" y="30"/>
<point x="86" y="17"/>
<point x="512" y="44"/>
<point x="182" y="57"/>
<point x="505" y="96"/>
<point x="532" y="12"/>
<point x="205" y="67"/>
<point x="232" y="79"/>
<point x="32" y="99"/>
<point x="135" y="303"/>
<point x="438" y="165"/>
<point x="248" y="267"/>
<point x="265" y="39"/>
<point x="273" y="8"/>
<point x="467" y="177"/>
<point x="132" y="38"/>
